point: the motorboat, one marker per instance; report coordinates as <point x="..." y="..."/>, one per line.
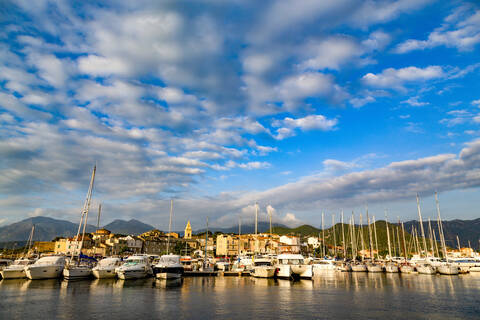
<point x="80" y="268"/>
<point x="391" y="267"/>
<point x="222" y="265"/>
<point x="263" y="268"/>
<point x="293" y="266"/>
<point x="134" y="267"/>
<point x="374" y="267"/>
<point x="188" y="263"/>
<point x="106" y="268"/>
<point x="49" y="267"/>
<point x="323" y="265"/>
<point x="447" y="269"/>
<point x="16" y="270"/>
<point x="426" y="268"/>
<point x="169" y="267"/>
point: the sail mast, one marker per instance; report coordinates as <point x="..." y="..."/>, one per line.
<point x="84" y="216"/>
<point x="323" y="238"/>
<point x="256" y="217"/>
<point x="169" y="226"/>
<point x="403" y="238"/>
<point x="388" y="236"/>
<point x="440" y="228"/>
<point x="375" y="233"/>
<point x="99" y="212"/>
<point x="334" y="236"/>
<point x="431" y="236"/>
<point x="421" y="226"/>
<point x="343" y="240"/>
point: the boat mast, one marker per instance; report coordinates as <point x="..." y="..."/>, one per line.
<point x="239" y="234"/>
<point x="334" y="237"/>
<point x="398" y="240"/>
<point x="376" y="239"/>
<point x="440" y="228"/>
<point x="270" y="217"/>
<point x="98" y="218"/>
<point x="256" y="217"/>
<point x="323" y="238"/>
<point x="169" y="226"/>
<point x="343" y="240"/>
<point x="388" y="236"/>
<point x="29" y="242"/>
<point x="369" y="235"/>
<point x="361" y="237"/>
<point x="421" y="226"/>
<point x="458" y="243"/>
<point x="206" y="245"/>
<point x="354" y="240"/>
<point x="435" y="242"/>
<point x="84" y="217"/>
<point x="431" y="236"/>
<point x="404" y="245"/>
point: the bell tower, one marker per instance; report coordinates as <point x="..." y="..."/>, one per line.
<point x="188" y="231"/>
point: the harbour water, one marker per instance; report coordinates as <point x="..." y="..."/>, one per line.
<point x="334" y="296"/>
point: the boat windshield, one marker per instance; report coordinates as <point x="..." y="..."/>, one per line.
<point x="108" y="262"/>
<point x="22" y="262"/>
<point x="133" y="262"/>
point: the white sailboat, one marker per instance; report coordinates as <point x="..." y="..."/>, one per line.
<point x="17" y="269"/>
<point x="445" y="268"/>
<point x="390" y="266"/>
<point x="169" y="266"/>
<point x="76" y="268"/>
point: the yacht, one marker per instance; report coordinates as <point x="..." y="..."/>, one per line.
<point x="78" y="270"/>
<point x="169" y="267"/>
<point x="293" y="266"/>
<point x="16" y="270"/>
<point x="135" y="267"/>
<point x="49" y="267"/>
<point x="374" y="267"/>
<point x="323" y="265"/>
<point x="447" y="269"/>
<point x="391" y="267"/>
<point x="425" y="268"/>
<point x="263" y="268"/>
<point x="359" y="267"/>
<point x="188" y="263"/>
<point x="106" y="268"/>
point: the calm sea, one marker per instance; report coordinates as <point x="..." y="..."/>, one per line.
<point x="339" y="296"/>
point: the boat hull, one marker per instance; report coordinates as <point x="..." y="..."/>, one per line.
<point x="104" y="273"/>
<point x="447" y="270"/>
<point x="77" y="273"/>
<point x="426" y="270"/>
<point x="359" y="268"/>
<point x="43" y="272"/>
<point x="391" y="268"/>
<point x="131" y="274"/>
<point x="374" y="268"/>
<point x="263" y="272"/>
<point x="13" y="273"/>
<point x="407" y="269"/>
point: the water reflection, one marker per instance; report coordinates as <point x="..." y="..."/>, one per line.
<point x="171" y="283"/>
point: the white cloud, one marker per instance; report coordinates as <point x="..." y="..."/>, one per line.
<point x="360" y="102"/>
<point x="397" y="78"/>
<point x="413" y="101"/>
<point x="460" y="30"/>
<point x="100" y="66"/>
<point x="288" y="125"/>
<point x="476" y="102"/>
<point x="329" y="53"/>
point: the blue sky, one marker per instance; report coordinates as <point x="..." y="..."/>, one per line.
<point x="302" y="106"/>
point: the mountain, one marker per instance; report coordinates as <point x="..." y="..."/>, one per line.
<point x="466" y="230"/>
<point x="46" y="229"/>
<point x="248" y="228"/>
<point x="128" y="227"/>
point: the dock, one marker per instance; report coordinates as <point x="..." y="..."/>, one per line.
<point x="200" y="273"/>
<point x="234" y="273"/>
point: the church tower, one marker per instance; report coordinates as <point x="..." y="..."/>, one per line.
<point x="188" y="231"/>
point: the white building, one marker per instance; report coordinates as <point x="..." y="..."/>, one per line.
<point x="289" y="244"/>
<point x="314" y="242"/>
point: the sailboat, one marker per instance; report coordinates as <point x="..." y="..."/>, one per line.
<point x="372" y="266"/>
<point x="422" y="266"/>
<point x="263" y="266"/>
<point x="17" y="269"/>
<point x="78" y="267"/>
<point x="390" y="267"/>
<point x="445" y="268"/>
<point x="169" y="266"/>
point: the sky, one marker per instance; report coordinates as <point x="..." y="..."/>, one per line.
<point x="302" y="106"/>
